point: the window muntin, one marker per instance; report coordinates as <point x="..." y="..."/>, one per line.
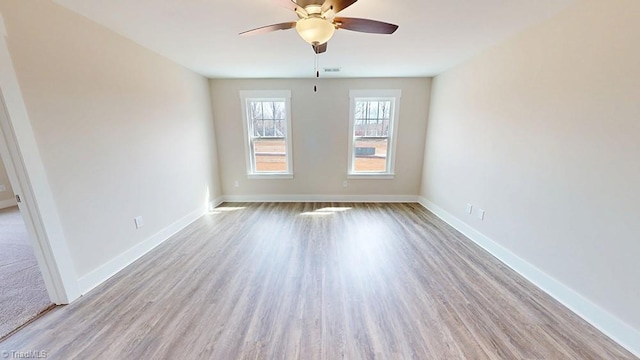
<point x="267" y="128"/>
<point x="373" y="124"/>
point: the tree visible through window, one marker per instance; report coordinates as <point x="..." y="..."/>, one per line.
<point x="267" y="128"/>
<point x="373" y="122"/>
<point x="371" y="134"/>
<point x="269" y="125"/>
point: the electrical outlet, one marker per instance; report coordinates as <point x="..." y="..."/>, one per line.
<point x="237" y="183"/>
<point x="345" y="183"/>
<point x="480" y="214"/>
<point x="138" y="221"/>
<point x="469" y="209"/>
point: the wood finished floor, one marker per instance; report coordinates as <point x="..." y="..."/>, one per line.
<point x="316" y="281"/>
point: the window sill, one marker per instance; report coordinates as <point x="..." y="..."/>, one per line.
<point x="269" y="176"/>
<point x="373" y="176"/>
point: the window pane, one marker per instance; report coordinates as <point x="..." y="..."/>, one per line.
<point x="267" y="109"/>
<point x="360" y="110"/>
<point x="257" y="128"/>
<point x="281" y="128"/>
<point x="269" y="128"/>
<point x="268" y="119"/>
<point x="270" y="155"/>
<point x="372" y="110"/>
<point x="372" y="118"/>
<point x="278" y="112"/>
<point x="370" y="155"/>
<point x="386" y="110"/>
<point x="360" y="128"/>
<point x="256" y="110"/>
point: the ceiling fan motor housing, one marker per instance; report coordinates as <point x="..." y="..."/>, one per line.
<point x="315" y="29"/>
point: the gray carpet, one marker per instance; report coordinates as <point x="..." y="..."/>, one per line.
<point x="22" y="292"/>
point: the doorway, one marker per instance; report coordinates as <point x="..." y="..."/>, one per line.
<point x="25" y="168"/>
<point x="24" y="295"/>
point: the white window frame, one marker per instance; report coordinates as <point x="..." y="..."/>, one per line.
<point x="265" y="95"/>
<point x="392" y="95"/>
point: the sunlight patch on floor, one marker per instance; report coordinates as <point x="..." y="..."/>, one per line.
<point x="221" y="210"/>
<point x="325" y="211"/>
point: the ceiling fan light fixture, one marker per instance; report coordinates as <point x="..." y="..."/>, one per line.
<point x="315" y="30"/>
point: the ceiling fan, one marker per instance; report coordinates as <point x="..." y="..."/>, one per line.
<point x="317" y="22"/>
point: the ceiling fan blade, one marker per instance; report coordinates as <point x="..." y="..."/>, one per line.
<point x="337" y="5"/>
<point x="319" y="49"/>
<point x="365" y="25"/>
<point x="269" y="28"/>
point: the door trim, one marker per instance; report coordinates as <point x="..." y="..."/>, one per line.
<point x="25" y="168"/>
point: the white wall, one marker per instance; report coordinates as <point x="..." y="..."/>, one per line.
<point x="121" y="130"/>
<point x="543" y="132"/>
<point x="320" y="123"/>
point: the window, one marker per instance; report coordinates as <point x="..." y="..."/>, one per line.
<point x="373" y="125"/>
<point x="267" y="125"/>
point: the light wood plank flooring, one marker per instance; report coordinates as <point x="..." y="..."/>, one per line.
<point x="316" y="281"/>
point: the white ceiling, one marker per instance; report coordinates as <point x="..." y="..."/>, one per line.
<point x="203" y="36"/>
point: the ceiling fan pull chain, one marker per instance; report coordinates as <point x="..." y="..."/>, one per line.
<point x="315" y="87"/>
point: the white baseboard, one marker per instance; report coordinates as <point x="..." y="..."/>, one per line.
<point x="8" y="203"/>
<point x="610" y="325"/>
<point x="322" y="198"/>
<point x="104" y="272"/>
<point x="215" y="202"/>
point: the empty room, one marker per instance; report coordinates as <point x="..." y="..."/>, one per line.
<point x="331" y="179"/>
